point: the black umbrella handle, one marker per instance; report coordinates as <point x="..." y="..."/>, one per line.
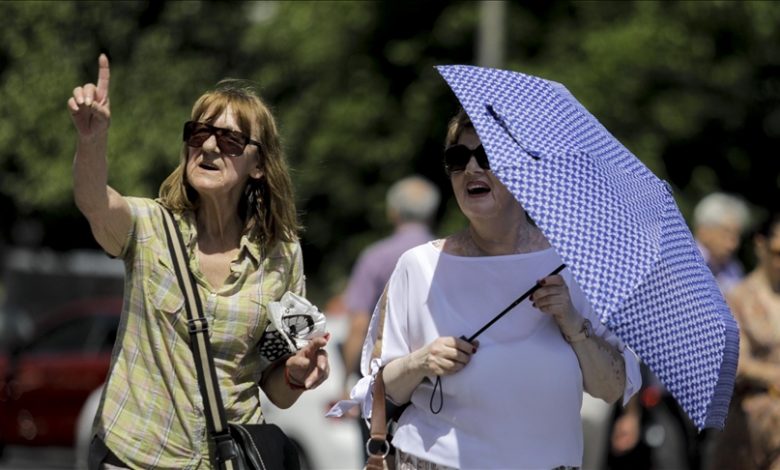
<point x="437" y="385"/>
<point x="511" y="306"/>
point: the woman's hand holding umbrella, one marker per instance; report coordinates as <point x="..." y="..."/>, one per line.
<point x="443" y="356"/>
<point x="600" y="364"/>
<point x="553" y="299"/>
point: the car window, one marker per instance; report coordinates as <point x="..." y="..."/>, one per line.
<point x="71" y="336"/>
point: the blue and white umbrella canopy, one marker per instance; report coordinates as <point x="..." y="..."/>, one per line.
<point x="615" y="225"/>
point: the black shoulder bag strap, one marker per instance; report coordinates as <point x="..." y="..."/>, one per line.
<point x="216" y="420"/>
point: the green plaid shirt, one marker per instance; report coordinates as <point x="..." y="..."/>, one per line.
<point x="151" y="414"/>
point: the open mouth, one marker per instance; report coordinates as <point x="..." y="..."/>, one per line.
<point x="477" y="188"/>
<point x="208" y="166"/>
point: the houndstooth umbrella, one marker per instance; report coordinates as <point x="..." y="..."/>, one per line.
<point x="617" y="227"/>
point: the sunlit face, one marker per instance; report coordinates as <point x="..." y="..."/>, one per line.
<point x="479" y="193"/>
<point x="768" y="251"/>
<point x="212" y="173"/>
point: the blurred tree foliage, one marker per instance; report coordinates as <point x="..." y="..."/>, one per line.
<point x="691" y="87"/>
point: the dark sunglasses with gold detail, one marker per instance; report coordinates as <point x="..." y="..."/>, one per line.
<point x="231" y="143"/>
<point x="456" y="158"/>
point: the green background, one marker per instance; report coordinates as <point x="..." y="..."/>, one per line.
<point x="692" y="88"/>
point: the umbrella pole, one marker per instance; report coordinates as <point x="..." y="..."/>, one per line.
<point x="511" y="306"/>
<point x="437" y="385"/>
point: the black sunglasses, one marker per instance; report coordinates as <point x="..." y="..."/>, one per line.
<point x="231" y="143"/>
<point x="456" y="157"/>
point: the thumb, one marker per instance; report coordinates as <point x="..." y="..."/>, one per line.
<point x="318" y="342"/>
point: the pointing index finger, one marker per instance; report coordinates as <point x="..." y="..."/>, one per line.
<point x="104" y="74"/>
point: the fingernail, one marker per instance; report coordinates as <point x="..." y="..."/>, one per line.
<point x="542" y="282"/>
<point x="473" y="350"/>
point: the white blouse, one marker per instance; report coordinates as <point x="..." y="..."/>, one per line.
<point x="517" y="403"/>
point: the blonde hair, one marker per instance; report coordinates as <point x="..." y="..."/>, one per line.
<point x="268" y="208"/>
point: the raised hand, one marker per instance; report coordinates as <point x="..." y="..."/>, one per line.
<point x="89" y="105"/>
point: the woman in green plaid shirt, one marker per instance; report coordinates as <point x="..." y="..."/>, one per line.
<point x="232" y="198"/>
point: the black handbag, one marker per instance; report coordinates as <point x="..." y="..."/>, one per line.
<point x="238" y="446"/>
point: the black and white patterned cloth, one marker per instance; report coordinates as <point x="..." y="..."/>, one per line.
<point x="294" y="321"/>
<point x="615" y="224"/>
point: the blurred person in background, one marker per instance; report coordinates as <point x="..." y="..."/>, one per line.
<point x="751" y="438"/>
<point x="500" y="405"/>
<point x="232" y="198"/>
<point x="719" y="220"/>
<point x="411" y="206"/>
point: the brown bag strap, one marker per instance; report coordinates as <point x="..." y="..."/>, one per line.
<point x="377" y="446"/>
<point x="378" y="417"/>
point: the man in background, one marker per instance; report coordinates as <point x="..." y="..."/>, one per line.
<point x="411" y="205"/>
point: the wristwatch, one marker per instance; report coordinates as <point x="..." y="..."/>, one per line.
<point x="585" y="332"/>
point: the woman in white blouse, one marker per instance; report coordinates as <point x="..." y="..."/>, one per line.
<point x="512" y="398"/>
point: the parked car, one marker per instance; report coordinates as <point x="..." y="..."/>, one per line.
<point x="45" y="381"/>
<point x="324" y="443"/>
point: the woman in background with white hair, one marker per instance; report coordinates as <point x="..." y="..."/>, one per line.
<point x="751" y="438"/>
<point x="719" y="220"/>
